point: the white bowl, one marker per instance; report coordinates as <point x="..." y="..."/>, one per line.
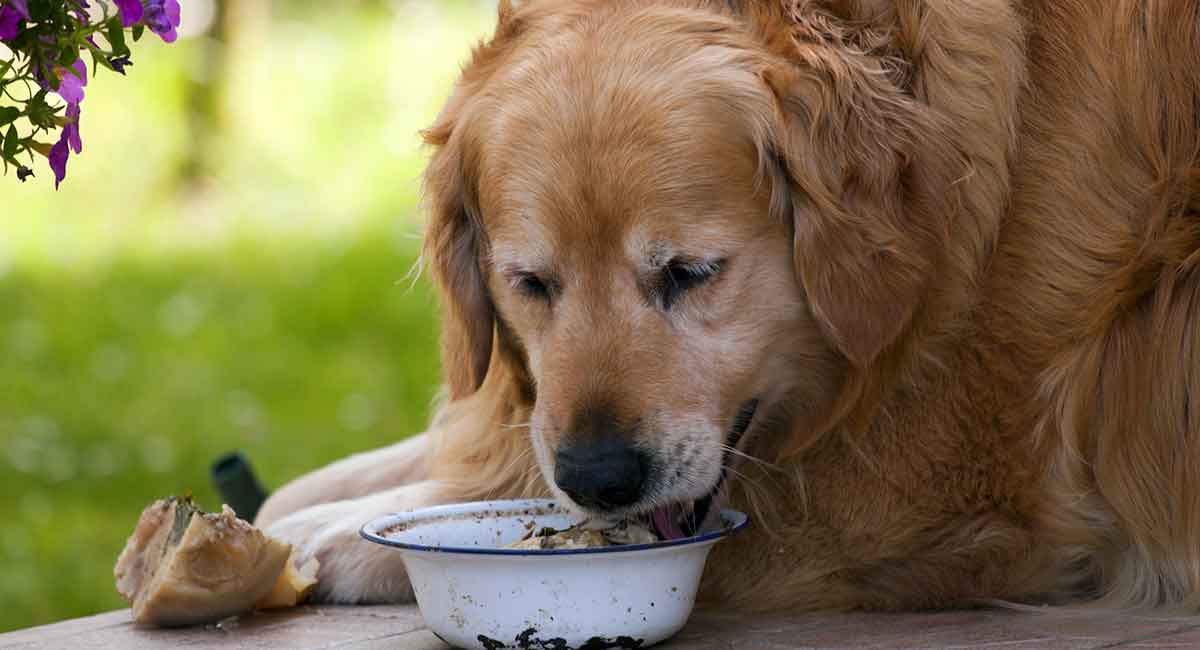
<point x="473" y="593"/>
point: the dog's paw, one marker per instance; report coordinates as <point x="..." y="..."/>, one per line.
<point x="353" y="570"/>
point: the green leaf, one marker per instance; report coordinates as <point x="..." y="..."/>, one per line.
<point x="68" y="54"/>
<point x="137" y="32"/>
<point x="8" y="114"/>
<point x="40" y="113"/>
<point x="40" y="11"/>
<point x="116" y="37"/>
<point x="10" y="141"/>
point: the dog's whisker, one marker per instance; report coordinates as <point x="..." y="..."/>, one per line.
<point x="773" y="473"/>
<point x="529" y="479"/>
<point x="523" y="456"/>
<point x="742" y="477"/>
<point x="520" y="425"/>
<point x="751" y="458"/>
<point x="756" y="495"/>
<point x="413" y="276"/>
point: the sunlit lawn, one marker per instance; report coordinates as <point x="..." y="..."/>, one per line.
<point x="148" y="324"/>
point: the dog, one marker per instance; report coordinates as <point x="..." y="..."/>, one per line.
<point x="914" y="282"/>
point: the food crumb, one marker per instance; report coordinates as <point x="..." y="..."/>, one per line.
<point x="583" y="536"/>
<point x="228" y="623"/>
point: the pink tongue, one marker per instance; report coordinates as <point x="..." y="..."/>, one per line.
<point x="666" y="521"/>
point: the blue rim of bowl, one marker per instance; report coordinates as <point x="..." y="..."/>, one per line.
<point x="726" y="516"/>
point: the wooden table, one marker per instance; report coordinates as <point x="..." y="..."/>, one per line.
<point x="400" y="627"/>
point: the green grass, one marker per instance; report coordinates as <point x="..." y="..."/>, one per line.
<point x="122" y="383"/>
<point x="150" y="322"/>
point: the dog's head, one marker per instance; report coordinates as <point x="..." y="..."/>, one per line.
<point x="674" y="234"/>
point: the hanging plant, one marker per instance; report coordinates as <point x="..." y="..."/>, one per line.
<point x="44" y="49"/>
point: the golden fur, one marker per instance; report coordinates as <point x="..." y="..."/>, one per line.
<point x="960" y="244"/>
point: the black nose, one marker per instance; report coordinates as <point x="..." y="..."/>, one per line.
<point x="601" y="473"/>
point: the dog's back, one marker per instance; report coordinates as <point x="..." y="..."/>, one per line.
<point x="1095" y="286"/>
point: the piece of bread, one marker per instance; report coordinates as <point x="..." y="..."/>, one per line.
<point x="182" y="566"/>
<point x="293" y="585"/>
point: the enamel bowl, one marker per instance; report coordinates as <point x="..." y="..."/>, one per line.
<point x="473" y="593"/>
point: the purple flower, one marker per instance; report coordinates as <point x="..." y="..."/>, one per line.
<point x="71" y="130"/>
<point x="119" y="63"/>
<point x="71" y="82"/>
<point x="12" y="14"/>
<point x="162" y="17"/>
<point x="58" y="160"/>
<point x="68" y="141"/>
<point x="10" y="23"/>
<point x="131" y="12"/>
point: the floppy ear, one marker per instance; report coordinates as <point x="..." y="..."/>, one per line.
<point x="454" y="248"/>
<point x="863" y="163"/>
<point x="455" y="241"/>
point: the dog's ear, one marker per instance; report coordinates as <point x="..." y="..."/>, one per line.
<point x="861" y="163"/>
<point x="456" y="244"/>
<point x="454" y="249"/>
<point x="505" y="11"/>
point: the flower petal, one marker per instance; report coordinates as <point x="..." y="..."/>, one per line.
<point x="71" y="82"/>
<point x="70" y="89"/>
<point x="10" y="23"/>
<point x="172" y="8"/>
<point x="80" y="71"/>
<point x="21" y="6"/>
<point x="58" y="160"/>
<point x="71" y="131"/>
<point x="131" y="12"/>
<point x="162" y="17"/>
<point x="73" y="139"/>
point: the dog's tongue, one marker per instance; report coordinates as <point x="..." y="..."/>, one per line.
<point x="666" y="521"/>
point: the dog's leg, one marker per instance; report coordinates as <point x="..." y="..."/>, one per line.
<point x="356" y="476"/>
<point x="352" y="569"/>
<point x="476" y="448"/>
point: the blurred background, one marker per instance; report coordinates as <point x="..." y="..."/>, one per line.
<point x="226" y="267"/>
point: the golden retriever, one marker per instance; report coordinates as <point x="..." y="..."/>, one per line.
<point x="920" y="276"/>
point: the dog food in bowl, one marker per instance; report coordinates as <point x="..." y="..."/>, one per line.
<point x="582" y="535"/>
<point x="583" y="589"/>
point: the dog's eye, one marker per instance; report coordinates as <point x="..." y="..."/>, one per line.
<point x="679" y="277"/>
<point x="532" y="286"/>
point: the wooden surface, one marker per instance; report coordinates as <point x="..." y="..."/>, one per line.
<point x="401" y="628"/>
